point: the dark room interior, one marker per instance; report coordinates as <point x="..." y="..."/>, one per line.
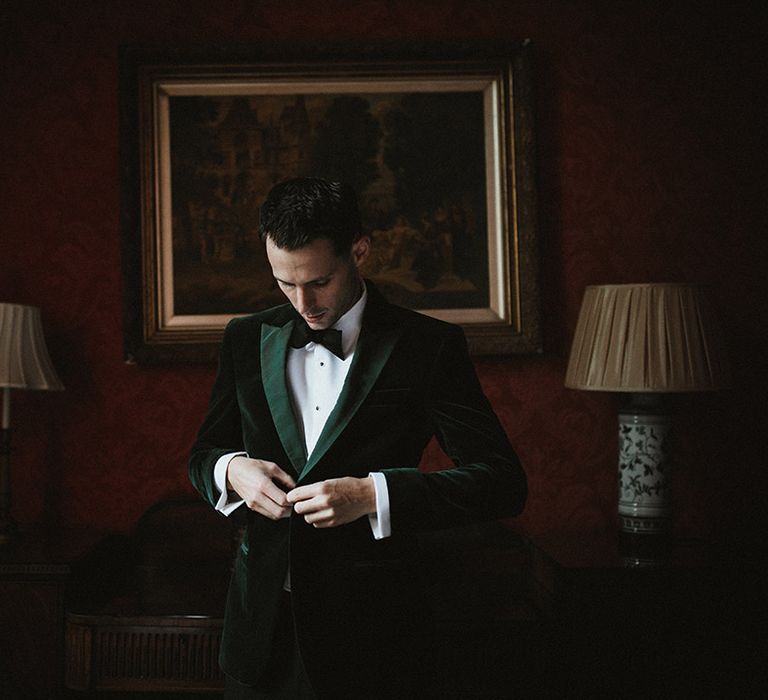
<point x="650" y="166"/>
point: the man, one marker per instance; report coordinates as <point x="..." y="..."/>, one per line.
<point x="322" y="444"/>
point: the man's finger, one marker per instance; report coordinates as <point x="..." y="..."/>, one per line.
<point x="320" y="518"/>
<point x="267" y="507"/>
<point x="303" y="493"/>
<point x="283" y="477"/>
<point x="307" y="506"/>
<point x="275" y="494"/>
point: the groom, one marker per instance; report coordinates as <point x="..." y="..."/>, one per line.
<point x="319" y="415"/>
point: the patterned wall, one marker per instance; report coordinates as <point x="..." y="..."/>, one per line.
<point x="651" y="130"/>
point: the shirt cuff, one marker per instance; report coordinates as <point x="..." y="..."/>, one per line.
<point x="224" y="505"/>
<point x="379" y="521"/>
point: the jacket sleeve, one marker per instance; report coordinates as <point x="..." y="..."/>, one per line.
<point x="488" y="481"/>
<point x="221" y="431"/>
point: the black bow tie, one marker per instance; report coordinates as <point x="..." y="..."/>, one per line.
<point x="329" y="337"/>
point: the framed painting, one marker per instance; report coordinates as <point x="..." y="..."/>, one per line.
<point x="437" y="141"/>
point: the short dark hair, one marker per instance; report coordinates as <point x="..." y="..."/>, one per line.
<point x="303" y="209"/>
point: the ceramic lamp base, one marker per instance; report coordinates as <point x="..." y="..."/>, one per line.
<point x="644" y="504"/>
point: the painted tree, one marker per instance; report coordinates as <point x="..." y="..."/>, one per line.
<point x="347" y="143"/>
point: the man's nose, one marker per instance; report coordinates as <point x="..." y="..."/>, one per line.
<point x="305" y="300"/>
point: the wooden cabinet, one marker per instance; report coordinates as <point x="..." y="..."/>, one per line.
<point x="141" y="653"/>
<point x="155" y="627"/>
<point x="634" y="617"/>
<point x="35" y="569"/>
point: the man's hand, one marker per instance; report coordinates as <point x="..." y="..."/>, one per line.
<point x="258" y="483"/>
<point x="334" y="502"/>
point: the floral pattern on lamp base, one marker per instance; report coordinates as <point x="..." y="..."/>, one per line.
<point x="643" y="472"/>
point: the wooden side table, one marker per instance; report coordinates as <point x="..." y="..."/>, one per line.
<point x="156" y="626"/>
<point x="629" y="616"/>
<point x="35" y="568"/>
<point x="144" y="653"/>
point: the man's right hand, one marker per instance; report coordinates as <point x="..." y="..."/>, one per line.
<point x="258" y="483"/>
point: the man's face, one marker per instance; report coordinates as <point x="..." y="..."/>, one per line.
<point x="320" y="285"/>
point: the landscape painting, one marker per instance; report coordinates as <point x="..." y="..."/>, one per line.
<point x="416" y="160"/>
<point x="437" y="142"/>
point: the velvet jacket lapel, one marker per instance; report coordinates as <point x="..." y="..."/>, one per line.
<point x="377" y="339"/>
<point x="274" y="349"/>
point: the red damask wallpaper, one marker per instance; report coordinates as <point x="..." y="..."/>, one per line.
<point x="651" y="146"/>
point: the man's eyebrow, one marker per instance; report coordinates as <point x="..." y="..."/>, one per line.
<point x="322" y="278"/>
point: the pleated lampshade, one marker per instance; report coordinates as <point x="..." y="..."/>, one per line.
<point x="24" y="360"/>
<point x="646" y="338"/>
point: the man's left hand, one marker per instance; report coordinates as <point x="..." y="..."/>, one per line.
<point x="334" y="502"/>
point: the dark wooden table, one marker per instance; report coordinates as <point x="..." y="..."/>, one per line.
<point x="35" y="570"/>
<point x="638" y="616"/>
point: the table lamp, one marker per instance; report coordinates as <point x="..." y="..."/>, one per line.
<point x="24" y="364"/>
<point x="645" y="340"/>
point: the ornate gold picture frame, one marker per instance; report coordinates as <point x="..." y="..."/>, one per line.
<point x="436" y="140"/>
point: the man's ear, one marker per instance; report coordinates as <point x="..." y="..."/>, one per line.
<point x="360" y="250"/>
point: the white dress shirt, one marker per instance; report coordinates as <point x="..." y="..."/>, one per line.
<point x="315" y="378"/>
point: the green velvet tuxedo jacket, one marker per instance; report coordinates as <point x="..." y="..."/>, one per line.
<point x="357" y="601"/>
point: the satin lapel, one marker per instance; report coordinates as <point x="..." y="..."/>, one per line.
<point x="373" y="350"/>
<point x="274" y="348"/>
